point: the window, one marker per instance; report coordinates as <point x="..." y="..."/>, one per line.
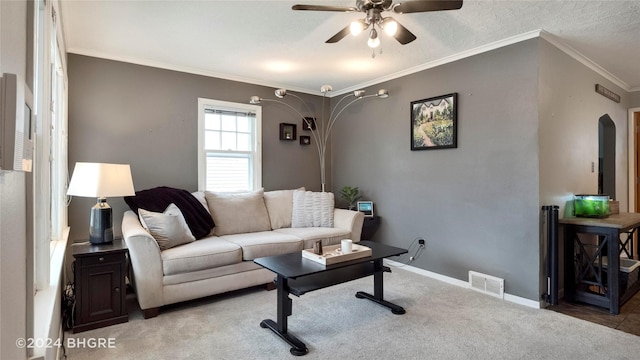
<point x="229" y="146"/>
<point x="46" y="192"/>
<point x="50" y="170"/>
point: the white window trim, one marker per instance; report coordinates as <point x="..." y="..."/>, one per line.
<point x="47" y="319"/>
<point x="231" y="106"/>
<point x="51" y="233"/>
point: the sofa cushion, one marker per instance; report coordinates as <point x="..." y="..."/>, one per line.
<point x="199" y="195"/>
<point x="157" y="199"/>
<point x="329" y="236"/>
<point x="207" y="253"/>
<point x="236" y="213"/>
<point x="168" y="228"/>
<point x="312" y="209"/>
<point x="221" y="271"/>
<point x="265" y="243"/>
<point x="279" y="206"/>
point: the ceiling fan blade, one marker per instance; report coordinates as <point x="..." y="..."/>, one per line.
<point x="403" y="35"/>
<point x="339" y="36"/>
<point x="427" y="5"/>
<point x="323" y="8"/>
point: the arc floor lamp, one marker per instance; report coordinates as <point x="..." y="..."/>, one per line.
<point x="323" y="128"/>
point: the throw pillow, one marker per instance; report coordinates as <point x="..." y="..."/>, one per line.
<point x="236" y="213"/>
<point x="279" y="206"/>
<point x="312" y="209"/>
<point x="168" y="228"/>
<point x="157" y="199"/>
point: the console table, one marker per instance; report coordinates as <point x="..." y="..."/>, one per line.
<point x="585" y="279"/>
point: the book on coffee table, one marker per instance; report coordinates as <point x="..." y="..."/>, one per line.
<point x="332" y="254"/>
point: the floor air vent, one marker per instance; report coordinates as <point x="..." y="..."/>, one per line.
<point x="487" y="284"/>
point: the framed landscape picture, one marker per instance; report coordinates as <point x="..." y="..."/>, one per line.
<point x="434" y="123"/>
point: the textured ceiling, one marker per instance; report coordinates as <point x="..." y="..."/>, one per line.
<point x="265" y="42"/>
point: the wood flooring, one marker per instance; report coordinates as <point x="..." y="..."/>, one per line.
<point x="628" y="320"/>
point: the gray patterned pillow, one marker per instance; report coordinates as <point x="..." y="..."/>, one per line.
<point x="168" y="228"/>
<point x="312" y="209"/>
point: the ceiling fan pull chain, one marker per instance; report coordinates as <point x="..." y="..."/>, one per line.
<point x="373" y="53"/>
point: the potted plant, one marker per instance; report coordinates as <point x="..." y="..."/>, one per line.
<point x="350" y="195"/>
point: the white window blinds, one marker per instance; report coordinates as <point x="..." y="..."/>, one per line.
<point x="231" y="148"/>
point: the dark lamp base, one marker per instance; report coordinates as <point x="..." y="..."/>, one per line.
<point x="101" y="223"/>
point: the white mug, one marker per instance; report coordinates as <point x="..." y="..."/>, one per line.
<point x="346" y="246"/>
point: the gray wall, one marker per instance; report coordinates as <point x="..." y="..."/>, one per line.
<point x="147" y="117"/>
<point x="569" y="114"/>
<point x="528" y="131"/>
<point x="523" y="133"/>
<point x="13" y="222"/>
<point x="634" y="99"/>
<point x="476" y="205"/>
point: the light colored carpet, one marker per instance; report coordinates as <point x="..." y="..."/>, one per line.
<point x="442" y="322"/>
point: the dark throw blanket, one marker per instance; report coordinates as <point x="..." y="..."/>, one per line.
<point x="157" y="199"/>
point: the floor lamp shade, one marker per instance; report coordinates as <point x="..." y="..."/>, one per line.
<point x="101" y="181"/>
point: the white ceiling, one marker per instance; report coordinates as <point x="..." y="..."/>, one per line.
<point x="265" y="42"/>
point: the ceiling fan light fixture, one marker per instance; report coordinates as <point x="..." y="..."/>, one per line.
<point x="374" y="10"/>
<point x="374" y="40"/>
<point x="390" y="26"/>
<point x="356" y="28"/>
<point x="280" y="93"/>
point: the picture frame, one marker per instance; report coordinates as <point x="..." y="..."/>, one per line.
<point x="434" y="123"/>
<point x="365" y="207"/>
<point x="305" y="140"/>
<point x="309" y="123"/>
<point x="287" y="131"/>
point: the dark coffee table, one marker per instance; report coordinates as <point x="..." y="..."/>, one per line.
<point x="298" y="276"/>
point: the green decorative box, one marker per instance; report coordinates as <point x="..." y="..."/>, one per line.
<point x="594" y="206"/>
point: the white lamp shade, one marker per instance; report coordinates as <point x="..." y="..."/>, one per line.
<point x="101" y="180"/>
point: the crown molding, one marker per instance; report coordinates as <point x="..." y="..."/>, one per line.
<point x="538" y="33"/>
<point x="448" y="59"/>
<point x="190" y="70"/>
<point x="555" y="41"/>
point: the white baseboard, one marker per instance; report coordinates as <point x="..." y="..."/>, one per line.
<point x="463" y="284"/>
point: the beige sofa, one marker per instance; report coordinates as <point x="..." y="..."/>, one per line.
<point x="247" y="226"/>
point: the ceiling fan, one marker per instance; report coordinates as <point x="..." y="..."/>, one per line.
<point x="374" y="9"/>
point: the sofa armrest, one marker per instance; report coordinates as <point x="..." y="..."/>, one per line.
<point x="350" y="220"/>
<point x="146" y="262"/>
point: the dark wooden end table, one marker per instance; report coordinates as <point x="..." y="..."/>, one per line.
<point x="298" y="276"/>
<point x="100" y="290"/>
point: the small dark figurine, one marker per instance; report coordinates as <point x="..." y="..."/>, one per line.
<point x="317" y="247"/>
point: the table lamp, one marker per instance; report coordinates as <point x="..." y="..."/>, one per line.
<point x="101" y="181"/>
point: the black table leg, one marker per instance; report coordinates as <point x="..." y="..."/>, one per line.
<point x="298" y="348"/>
<point x="378" y="290"/>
